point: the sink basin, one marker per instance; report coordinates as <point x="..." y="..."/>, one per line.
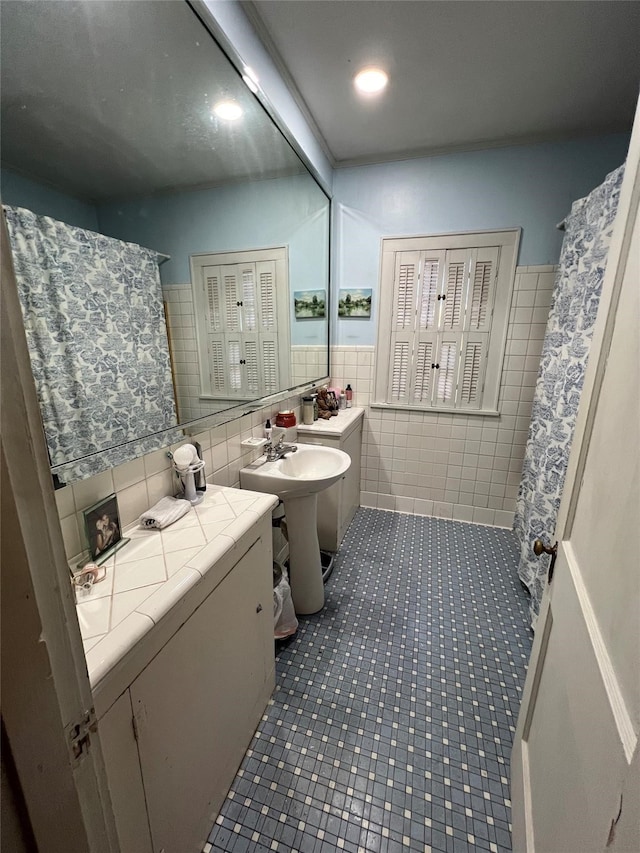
<point x="307" y="471"/>
<point x="297" y="479"/>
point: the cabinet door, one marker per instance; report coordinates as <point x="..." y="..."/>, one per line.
<point x="125" y="780"/>
<point x="199" y="701"/>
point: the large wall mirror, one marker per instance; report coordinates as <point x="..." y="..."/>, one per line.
<point x="171" y="248"/>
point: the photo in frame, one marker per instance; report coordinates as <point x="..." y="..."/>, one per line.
<point x="355" y="303"/>
<point x="310" y="304"/>
<point x="103" y="529"/>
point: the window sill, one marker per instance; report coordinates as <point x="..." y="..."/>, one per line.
<point x="441" y="410"/>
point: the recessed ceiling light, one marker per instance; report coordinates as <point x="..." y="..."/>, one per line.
<point x="371" y="80"/>
<point x="228" y="110"/>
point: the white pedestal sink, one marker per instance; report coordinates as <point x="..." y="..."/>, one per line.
<point x="297" y="479"/>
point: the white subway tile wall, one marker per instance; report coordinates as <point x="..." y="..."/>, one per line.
<point x="142" y="482"/>
<point x="465" y="467"/>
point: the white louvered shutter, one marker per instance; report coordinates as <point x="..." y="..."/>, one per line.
<point x="212" y="284"/>
<point x="431" y="287"/>
<point x="269" y="363"/>
<point x="399" y="370"/>
<point x="217" y="364"/>
<point x="403" y="323"/>
<point x="477" y="326"/>
<point x="234" y="368"/>
<point x="247" y="274"/>
<point x="432" y="269"/>
<point x="446" y="371"/>
<point x="482" y="282"/>
<point x="251" y="367"/>
<point x="231" y="291"/>
<point x="266" y="290"/>
<point x="423" y="371"/>
<point x="405" y="291"/>
<point x="455" y="283"/>
<point x="472" y="368"/>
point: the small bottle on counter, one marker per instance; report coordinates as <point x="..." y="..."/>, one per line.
<point x="268" y="430"/>
<point x="343" y="400"/>
<point x="308" y="408"/>
<point x="348" y="393"/>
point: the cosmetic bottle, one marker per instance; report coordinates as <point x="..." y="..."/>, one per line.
<point x="348" y="393"/>
<point x="267" y="430"/>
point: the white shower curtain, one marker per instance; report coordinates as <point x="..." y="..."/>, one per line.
<point x="565" y="351"/>
<point x="95" y="326"/>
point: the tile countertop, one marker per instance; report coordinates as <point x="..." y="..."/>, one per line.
<point x="148" y="575"/>
<point x="334" y="426"/>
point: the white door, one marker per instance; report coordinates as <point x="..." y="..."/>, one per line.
<point x="575" y="782"/>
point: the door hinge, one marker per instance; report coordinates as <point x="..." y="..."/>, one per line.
<point x="80" y="734"/>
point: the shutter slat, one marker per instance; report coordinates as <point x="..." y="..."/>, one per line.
<point x="430" y="289"/>
<point x="234" y="349"/>
<point x="472" y="369"/>
<point x="423" y="373"/>
<point x="447" y="358"/>
<point x="266" y="275"/>
<point x="399" y="371"/>
<point x="212" y="290"/>
<point x="405" y="283"/>
<point x="252" y="370"/>
<point x="249" y="302"/>
<point x="270" y="365"/>
<point x="231" y="298"/>
<point x="456" y="280"/>
<point x="216" y="366"/>
<point x="484" y="263"/>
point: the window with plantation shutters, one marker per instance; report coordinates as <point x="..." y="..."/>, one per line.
<point x="443" y="319"/>
<point x="242" y="321"/>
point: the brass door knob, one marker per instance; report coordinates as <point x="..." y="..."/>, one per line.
<point x="540" y="548"/>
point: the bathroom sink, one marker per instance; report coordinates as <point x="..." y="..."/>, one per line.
<point x="307" y="471"/>
<point x="297" y="478"/>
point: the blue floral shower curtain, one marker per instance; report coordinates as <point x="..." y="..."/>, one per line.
<point x="95" y="326"/>
<point x="562" y="367"/>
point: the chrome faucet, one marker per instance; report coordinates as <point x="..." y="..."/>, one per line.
<point x="278" y="451"/>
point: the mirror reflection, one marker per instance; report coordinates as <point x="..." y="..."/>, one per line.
<point x="143" y="180"/>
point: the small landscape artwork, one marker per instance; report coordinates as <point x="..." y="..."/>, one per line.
<point x="355" y="303"/>
<point x="310" y="304"/>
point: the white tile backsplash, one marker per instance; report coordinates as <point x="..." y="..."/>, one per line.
<point x="142" y="482"/>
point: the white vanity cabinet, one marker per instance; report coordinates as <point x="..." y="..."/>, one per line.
<point x="175" y="737"/>
<point x="338" y="504"/>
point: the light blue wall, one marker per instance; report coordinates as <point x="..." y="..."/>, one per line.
<point x="528" y="186"/>
<point x="23" y="192"/>
<point x="285" y="211"/>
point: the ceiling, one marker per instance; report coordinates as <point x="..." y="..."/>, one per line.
<point x="462" y="74"/>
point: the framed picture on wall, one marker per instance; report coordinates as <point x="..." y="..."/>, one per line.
<point x="103" y="528"/>
<point x="310" y="304"/>
<point x="354" y="303"/>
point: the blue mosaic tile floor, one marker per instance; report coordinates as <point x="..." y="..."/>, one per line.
<point x="391" y="724"/>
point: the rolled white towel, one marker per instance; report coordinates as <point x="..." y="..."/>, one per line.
<point x="164" y="513"/>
